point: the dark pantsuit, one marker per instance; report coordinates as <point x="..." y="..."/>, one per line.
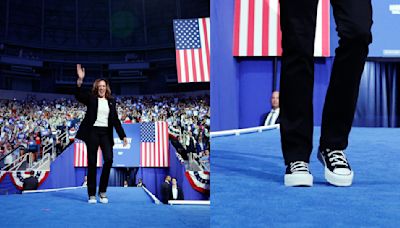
<point x="298" y="19"/>
<point x="99" y="137"/>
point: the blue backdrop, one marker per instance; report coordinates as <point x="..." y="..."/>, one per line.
<point x="127" y="156"/>
<point x="241" y="87"/>
<point x="385" y="29"/>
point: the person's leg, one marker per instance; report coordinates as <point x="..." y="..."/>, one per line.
<point x="298" y="20"/>
<point x="354" y="21"/>
<point x="107" y="151"/>
<point x="92" y="147"/>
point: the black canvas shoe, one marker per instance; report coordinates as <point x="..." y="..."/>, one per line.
<point x="298" y="174"/>
<point x="337" y="168"/>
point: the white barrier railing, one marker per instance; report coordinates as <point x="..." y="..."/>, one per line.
<point x="18" y="162"/>
<point x="189" y="202"/>
<point x="243" y="131"/>
<point x="63" y="139"/>
<point x="51" y="190"/>
<point x="48" y="149"/>
<point x="43" y="164"/>
<point x="152" y="196"/>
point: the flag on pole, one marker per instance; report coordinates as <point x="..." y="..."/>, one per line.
<point x="192" y="49"/>
<point x="154" y="151"/>
<point x="80" y="155"/>
<point x="256" y="29"/>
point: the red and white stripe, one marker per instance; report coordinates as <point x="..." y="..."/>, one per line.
<point x="80" y="155"/>
<point x="193" y="65"/>
<point x="257" y="32"/>
<point x="197" y="184"/>
<point x="156" y="154"/>
<point x="2" y="175"/>
<point x="41" y="175"/>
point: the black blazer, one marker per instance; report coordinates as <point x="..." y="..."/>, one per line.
<point x="165" y="192"/>
<point x="30" y="183"/>
<point x="91" y="102"/>
<point x="180" y="194"/>
<point x="265" y="116"/>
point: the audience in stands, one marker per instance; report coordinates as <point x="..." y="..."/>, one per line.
<point x="205" y="160"/>
<point x="29" y="121"/>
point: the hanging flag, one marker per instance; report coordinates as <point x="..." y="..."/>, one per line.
<point x="256" y="29"/>
<point x="192" y="49"/>
<point x="2" y="175"/>
<point x="17" y="177"/>
<point x="154" y="151"/>
<point x="80" y="155"/>
<point x="199" y="180"/>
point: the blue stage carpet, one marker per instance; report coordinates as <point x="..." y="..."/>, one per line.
<point x="128" y="207"/>
<point x="248" y="190"/>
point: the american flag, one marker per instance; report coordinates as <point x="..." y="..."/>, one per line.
<point x="192" y="49"/>
<point x="154" y="144"/>
<point x="80" y="155"/>
<point x="257" y="32"/>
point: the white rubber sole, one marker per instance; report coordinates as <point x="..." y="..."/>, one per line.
<point x="104" y="200"/>
<point x="339" y="180"/>
<point x="298" y="179"/>
<point x="92" y="201"/>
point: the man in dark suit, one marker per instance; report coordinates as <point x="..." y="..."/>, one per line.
<point x="166" y="189"/>
<point x="273" y="116"/>
<point x="31" y="183"/>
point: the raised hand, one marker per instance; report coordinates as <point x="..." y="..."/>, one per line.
<point x="80" y="71"/>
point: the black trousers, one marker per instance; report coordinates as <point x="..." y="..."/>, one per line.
<point x="98" y="137"/>
<point x="298" y="18"/>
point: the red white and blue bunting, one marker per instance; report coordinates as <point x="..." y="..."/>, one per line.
<point x="199" y="180"/>
<point x="18" y="177"/>
<point x="2" y="175"/>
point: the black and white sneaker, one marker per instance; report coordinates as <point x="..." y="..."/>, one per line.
<point x="103" y="197"/>
<point x="298" y="174"/>
<point x="92" y="199"/>
<point x="337" y="168"/>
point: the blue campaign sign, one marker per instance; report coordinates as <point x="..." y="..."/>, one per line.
<point x="127" y="156"/>
<point x="385" y="30"/>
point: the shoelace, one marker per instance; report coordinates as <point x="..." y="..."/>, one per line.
<point x="298" y="166"/>
<point x="337" y="157"/>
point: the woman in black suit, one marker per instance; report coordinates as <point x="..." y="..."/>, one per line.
<point x="176" y="192"/>
<point x="96" y="130"/>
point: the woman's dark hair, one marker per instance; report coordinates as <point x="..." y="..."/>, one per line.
<point x="95" y="89"/>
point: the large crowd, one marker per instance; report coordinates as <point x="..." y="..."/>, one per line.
<point x="26" y="123"/>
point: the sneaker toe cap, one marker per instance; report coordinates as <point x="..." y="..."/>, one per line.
<point x="342" y="171"/>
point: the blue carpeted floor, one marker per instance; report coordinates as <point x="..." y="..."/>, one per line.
<point x="248" y="190"/>
<point x="128" y="207"/>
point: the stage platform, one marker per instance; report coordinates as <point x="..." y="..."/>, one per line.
<point x="248" y="188"/>
<point x="128" y="207"/>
